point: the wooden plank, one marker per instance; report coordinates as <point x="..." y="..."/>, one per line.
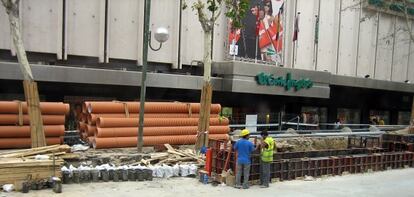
<point x="36" y="123"/>
<point x="25" y="150"/>
<point x="44" y="150"/>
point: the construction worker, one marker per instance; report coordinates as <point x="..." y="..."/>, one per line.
<point x="244" y="149"/>
<point x="267" y="147"/>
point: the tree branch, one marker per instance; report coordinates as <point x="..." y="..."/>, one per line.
<point x="202" y="17"/>
<point x="214" y="18"/>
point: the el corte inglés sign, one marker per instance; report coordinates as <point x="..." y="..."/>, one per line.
<point x="287" y="82"/>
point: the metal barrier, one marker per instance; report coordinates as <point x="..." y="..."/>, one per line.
<point x="292" y="165"/>
<point x="398" y="142"/>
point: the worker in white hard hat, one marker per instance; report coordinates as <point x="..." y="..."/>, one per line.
<point x="244" y="149"/>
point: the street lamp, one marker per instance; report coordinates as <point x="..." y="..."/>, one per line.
<point x="161" y="35"/>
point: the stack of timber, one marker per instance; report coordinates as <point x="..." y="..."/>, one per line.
<point x="115" y="124"/>
<point x="21" y="165"/>
<point x="15" y="123"/>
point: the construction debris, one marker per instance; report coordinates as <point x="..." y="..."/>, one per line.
<point x="308" y="144"/>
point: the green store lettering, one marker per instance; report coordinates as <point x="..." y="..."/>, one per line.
<point x="287" y="83"/>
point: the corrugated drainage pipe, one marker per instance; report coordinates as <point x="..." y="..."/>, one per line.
<point x="154" y="122"/>
<point x="150" y="107"/>
<point x="157" y="131"/>
<point x="122" y="142"/>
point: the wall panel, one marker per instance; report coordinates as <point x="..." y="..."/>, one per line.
<point x="220" y="48"/>
<point x="123" y="27"/>
<point x="5" y="42"/>
<point x="42" y="26"/>
<point x="384" y="47"/>
<point x="165" y="14"/>
<point x="348" y="40"/>
<point x="192" y="45"/>
<point x="85" y="28"/>
<point x="328" y="35"/>
<point x="367" y="43"/>
<point x="306" y="40"/>
<point x="401" y="51"/>
<point x="410" y="69"/>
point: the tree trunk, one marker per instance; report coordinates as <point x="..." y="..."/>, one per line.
<point x="18" y="42"/>
<point x="206" y="95"/>
<point x="30" y="87"/>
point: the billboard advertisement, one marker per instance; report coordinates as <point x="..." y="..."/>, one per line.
<point x="261" y="37"/>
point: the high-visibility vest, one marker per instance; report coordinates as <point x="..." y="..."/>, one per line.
<point x="267" y="153"/>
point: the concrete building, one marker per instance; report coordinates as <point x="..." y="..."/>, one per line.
<point x="353" y="60"/>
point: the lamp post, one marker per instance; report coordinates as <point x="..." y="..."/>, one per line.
<point x="161" y="35"/>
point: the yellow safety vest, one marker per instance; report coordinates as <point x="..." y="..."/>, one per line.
<point x="267" y="153"/>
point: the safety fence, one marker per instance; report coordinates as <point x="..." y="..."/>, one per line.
<point x="292" y="165"/>
<point x="398" y="142"/>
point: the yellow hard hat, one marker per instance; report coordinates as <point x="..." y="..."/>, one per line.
<point x="244" y="132"/>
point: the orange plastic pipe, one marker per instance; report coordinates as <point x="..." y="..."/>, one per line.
<point x="122" y="142"/>
<point x="157" y="131"/>
<point x="153" y="122"/>
<point x="90" y="130"/>
<point x="13" y="119"/>
<point x="93" y="117"/>
<point x="12" y="107"/>
<point x="150" y="107"/>
<point x="24" y="131"/>
<point x="24" y="142"/>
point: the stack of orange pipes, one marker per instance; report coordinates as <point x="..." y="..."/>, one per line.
<point x="15" y="123"/>
<point x="115" y="124"/>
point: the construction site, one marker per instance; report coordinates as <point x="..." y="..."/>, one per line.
<point x="206" y="98"/>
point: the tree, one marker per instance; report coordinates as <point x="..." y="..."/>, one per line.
<point x="402" y="8"/>
<point x="208" y="12"/>
<point x="30" y="86"/>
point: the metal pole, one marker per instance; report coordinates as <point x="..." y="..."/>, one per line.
<point x="257" y="43"/>
<point x="297" y="126"/>
<point x="147" y="12"/>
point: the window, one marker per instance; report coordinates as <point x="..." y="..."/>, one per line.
<point x="380" y="116"/>
<point x="349" y="116"/>
<point x="404" y="118"/>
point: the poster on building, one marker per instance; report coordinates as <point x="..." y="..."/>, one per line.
<point x="261" y="37"/>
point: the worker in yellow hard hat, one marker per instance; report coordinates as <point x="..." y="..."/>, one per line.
<point x="244" y="149"/>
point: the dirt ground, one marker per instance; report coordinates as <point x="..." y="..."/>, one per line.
<point x="387" y="183"/>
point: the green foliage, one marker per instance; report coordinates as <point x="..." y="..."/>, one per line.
<point x="236" y="9"/>
<point x="184" y="5"/>
<point x="378" y="3"/>
<point x="212" y="5"/>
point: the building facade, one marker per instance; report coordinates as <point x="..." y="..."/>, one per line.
<point x="339" y="59"/>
